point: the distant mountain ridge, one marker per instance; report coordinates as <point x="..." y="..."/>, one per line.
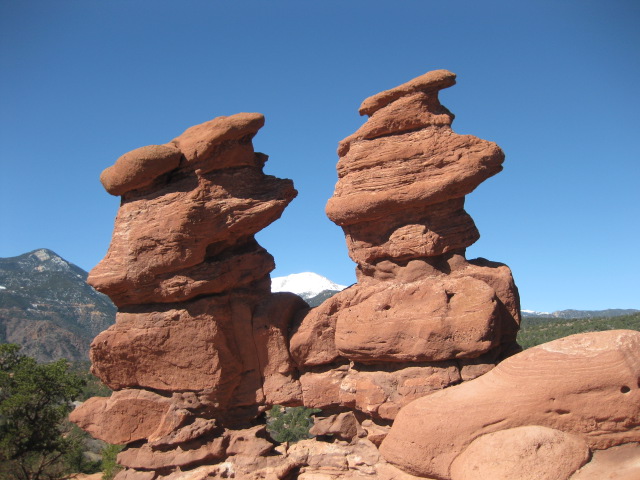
<point x="47" y="307"/>
<point x="611" y="312"/>
<point x="313" y="288"/>
<point x="305" y="284"/>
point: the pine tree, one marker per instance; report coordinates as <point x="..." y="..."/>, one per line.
<point x="35" y="400"/>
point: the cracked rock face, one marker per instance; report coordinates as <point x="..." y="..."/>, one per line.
<point x="201" y="347"/>
<point x="200" y="343"/>
<point x="402" y="179"/>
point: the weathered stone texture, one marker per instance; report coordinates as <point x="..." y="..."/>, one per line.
<point x="585" y="385"/>
<point x="404" y="359"/>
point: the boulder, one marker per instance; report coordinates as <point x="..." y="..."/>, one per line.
<point x="525" y="453"/>
<point x="127" y="416"/>
<point x="202" y="143"/>
<point x="344" y="426"/>
<point x="148" y="458"/>
<point x="584" y="384"/>
<point x="434" y="80"/>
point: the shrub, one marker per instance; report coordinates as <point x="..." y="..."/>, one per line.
<point x="109" y="463"/>
<point x="290" y="424"/>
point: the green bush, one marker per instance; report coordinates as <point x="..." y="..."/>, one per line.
<point x="109" y="463"/>
<point x="75" y="457"/>
<point x="290" y="424"/>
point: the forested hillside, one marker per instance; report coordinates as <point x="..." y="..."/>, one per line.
<point x="534" y="331"/>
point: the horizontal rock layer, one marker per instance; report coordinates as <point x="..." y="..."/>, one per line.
<point x="201" y="347"/>
<point x="417" y="313"/>
<point x="191" y="233"/>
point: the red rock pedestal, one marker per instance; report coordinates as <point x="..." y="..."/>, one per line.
<point x="200" y="344"/>
<point x="421" y="317"/>
<point x="201" y="347"/>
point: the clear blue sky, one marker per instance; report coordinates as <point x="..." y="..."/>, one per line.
<point x="555" y="83"/>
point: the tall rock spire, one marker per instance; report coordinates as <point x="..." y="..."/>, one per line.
<point x="421" y="317"/>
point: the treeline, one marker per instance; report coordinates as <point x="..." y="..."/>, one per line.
<point x="534" y="331"/>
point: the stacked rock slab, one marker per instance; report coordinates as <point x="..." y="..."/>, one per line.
<point x="421" y="317"/>
<point x="201" y="347"/>
<point x="200" y="343"/>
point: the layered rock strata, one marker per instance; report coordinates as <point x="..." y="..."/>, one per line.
<point x="421" y="317"/>
<point x="201" y="347"/>
<point x="200" y="344"/>
<point x="565" y="398"/>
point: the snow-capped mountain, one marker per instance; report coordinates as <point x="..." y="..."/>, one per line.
<point x="306" y="284"/>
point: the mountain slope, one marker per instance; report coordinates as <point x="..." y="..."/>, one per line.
<point x="47" y="307"/>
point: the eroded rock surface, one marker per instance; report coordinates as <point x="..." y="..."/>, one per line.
<point x="585" y="385"/>
<point x="420" y="312"/>
<point x="405" y="358"/>
<point x="200" y="345"/>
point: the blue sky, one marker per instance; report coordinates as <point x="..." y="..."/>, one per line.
<point x="554" y="83"/>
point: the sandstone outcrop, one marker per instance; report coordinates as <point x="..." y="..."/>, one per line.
<point x="200" y="344"/>
<point x="420" y="313"/>
<point x="585" y="385"/>
<point x="404" y="359"/>
<point x="187" y="230"/>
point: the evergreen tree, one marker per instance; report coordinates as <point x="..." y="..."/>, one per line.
<point x="290" y="424"/>
<point x="35" y="400"/>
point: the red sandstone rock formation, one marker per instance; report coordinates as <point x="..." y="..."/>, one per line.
<point x="421" y="317"/>
<point x="201" y="346"/>
<point x="584" y="385"/>
<point x="200" y="343"/>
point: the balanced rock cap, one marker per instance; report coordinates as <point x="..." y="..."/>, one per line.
<point x="139" y="168"/>
<point x="198" y="143"/>
<point x="434" y="80"/>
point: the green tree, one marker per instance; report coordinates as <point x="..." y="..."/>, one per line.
<point x="93" y="385"/>
<point x="110" y="464"/>
<point x="290" y="424"/>
<point x="35" y="400"/>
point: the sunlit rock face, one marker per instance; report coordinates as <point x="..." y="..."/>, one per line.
<point x="202" y="347"/>
<point x="583" y="389"/>
<point x="189" y="213"/>
<point x="419" y="304"/>
<point x="200" y="344"/>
